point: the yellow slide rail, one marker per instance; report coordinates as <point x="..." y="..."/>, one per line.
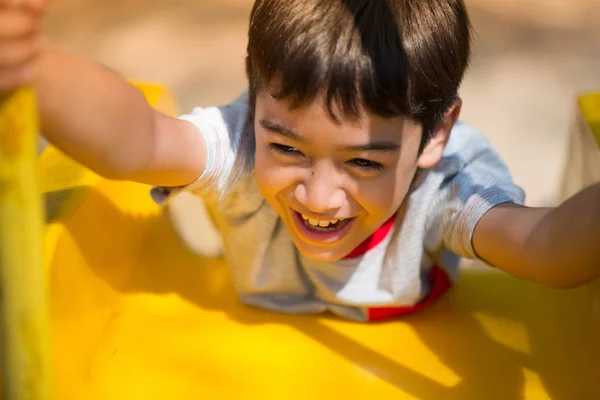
<point x="24" y="305"/>
<point x="589" y="104"/>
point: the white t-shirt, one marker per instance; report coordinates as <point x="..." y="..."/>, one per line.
<point x="413" y="260"/>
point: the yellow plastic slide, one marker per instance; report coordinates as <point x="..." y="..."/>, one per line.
<point x="135" y="315"/>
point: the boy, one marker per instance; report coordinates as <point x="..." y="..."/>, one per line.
<point x="342" y="181"/>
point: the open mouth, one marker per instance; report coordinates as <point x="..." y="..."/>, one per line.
<point x="320" y="230"/>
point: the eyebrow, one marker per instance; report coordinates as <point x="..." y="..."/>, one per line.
<point x="374" y="146"/>
<point x="280" y="129"/>
<point x="382" y="146"/>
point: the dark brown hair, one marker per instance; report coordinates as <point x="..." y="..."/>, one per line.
<point x="389" y="57"/>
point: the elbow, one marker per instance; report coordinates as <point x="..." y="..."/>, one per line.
<point x="562" y="273"/>
<point x="114" y="171"/>
<point x="562" y="285"/>
<point x="566" y="283"/>
<point x="120" y="165"/>
<point x="110" y="174"/>
<point x="107" y="168"/>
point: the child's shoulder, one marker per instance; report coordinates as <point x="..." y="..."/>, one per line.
<point x="466" y="139"/>
<point x="467" y="146"/>
<point x="230" y="117"/>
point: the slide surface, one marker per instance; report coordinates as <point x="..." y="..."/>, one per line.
<point x="135" y="315"/>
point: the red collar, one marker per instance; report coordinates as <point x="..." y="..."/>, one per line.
<point x="373" y="240"/>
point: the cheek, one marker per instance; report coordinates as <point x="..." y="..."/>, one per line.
<point x="263" y="171"/>
<point x="403" y="181"/>
<point x="271" y="179"/>
<point x="404" y="177"/>
<point x="383" y="196"/>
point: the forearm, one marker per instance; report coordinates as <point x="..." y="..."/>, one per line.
<point x="557" y="247"/>
<point x="564" y="247"/>
<point x="92" y="115"/>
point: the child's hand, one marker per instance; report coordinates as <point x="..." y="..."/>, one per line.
<point x="20" y="41"/>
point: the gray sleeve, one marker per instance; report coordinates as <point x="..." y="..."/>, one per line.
<point x="230" y="149"/>
<point x="476" y="180"/>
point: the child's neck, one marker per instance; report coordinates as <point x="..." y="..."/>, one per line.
<point x="377" y="237"/>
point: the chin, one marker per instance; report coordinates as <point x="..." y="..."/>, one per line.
<point x="326" y="255"/>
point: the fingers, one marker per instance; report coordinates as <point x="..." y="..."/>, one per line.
<point x="34" y="5"/>
<point x="19" y="51"/>
<point x="13" y="78"/>
<point x="20" y="41"/>
<point x="16" y="62"/>
<point x="16" y="23"/>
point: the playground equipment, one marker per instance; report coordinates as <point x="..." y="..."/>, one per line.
<point x="133" y="314"/>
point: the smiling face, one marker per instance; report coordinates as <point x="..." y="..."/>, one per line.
<point x="334" y="183"/>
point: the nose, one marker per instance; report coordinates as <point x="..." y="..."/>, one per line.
<point x="320" y="192"/>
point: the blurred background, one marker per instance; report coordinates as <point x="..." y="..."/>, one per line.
<point x="531" y="59"/>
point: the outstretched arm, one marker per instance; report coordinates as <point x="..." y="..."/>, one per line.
<point x="558" y="247"/>
<point x="91" y="114"/>
<point x="105" y="123"/>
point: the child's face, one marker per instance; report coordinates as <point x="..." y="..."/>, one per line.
<point x="309" y="166"/>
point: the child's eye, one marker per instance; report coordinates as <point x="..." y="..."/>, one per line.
<point x="283" y="149"/>
<point x="366" y="164"/>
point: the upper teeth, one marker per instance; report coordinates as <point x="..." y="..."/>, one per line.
<point x="321" y="223"/>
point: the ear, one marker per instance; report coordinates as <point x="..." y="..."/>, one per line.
<point x="433" y="150"/>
